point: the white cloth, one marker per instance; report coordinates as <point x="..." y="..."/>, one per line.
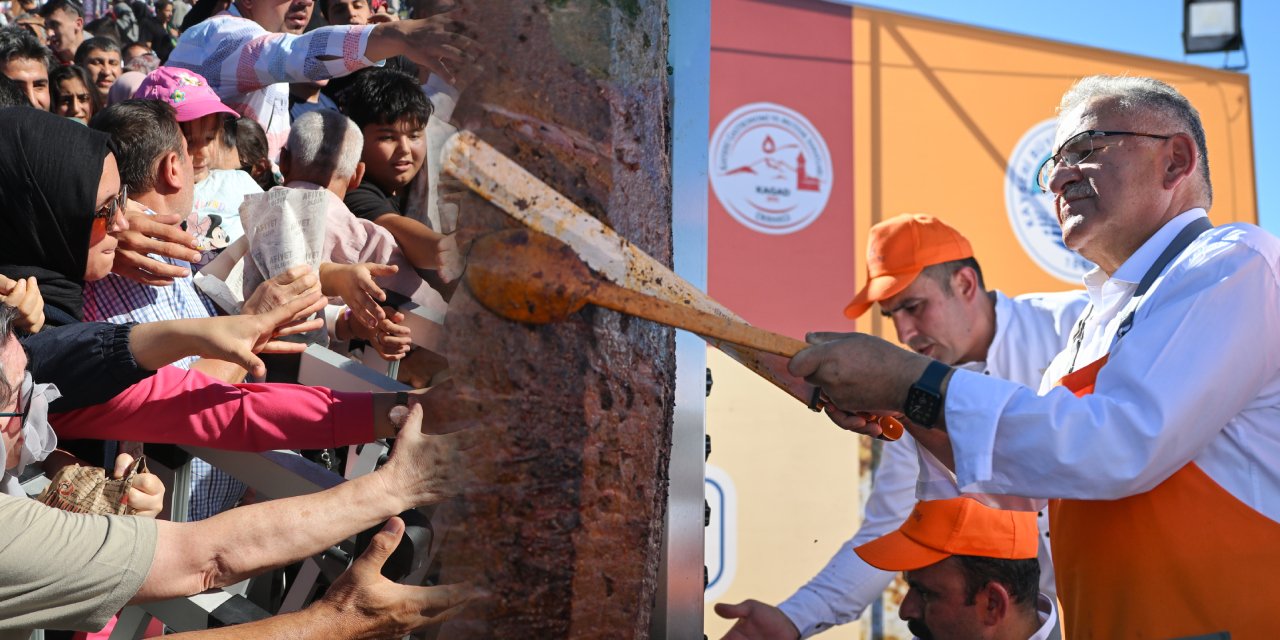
<point x="38" y="438"/>
<point x="1030" y="330"/>
<point x="1197" y="379"/>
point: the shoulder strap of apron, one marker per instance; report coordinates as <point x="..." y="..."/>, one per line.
<point x="1180" y="242"/>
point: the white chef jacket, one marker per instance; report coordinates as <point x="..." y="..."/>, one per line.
<point x="1196" y="379"/>
<point x="1030" y="330"/>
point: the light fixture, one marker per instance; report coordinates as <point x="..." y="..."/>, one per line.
<point x="1211" y="25"/>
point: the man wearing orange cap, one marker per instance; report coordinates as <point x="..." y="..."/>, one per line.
<point x="924" y="275"/>
<point x="972" y="570"/>
<point x="1155" y="431"/>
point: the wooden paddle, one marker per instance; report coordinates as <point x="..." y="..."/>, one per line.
<point x="530" y="277"/>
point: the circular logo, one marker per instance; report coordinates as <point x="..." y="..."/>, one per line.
<point x="1031" y="212"/>
<point x="770" y="168"/>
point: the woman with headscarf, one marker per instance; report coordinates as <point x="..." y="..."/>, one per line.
<point x="62" y="195"/>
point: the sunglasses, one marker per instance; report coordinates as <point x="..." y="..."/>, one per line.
<point x="102" y="217"/>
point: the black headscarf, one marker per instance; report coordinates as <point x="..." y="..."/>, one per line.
<point x="49" y="172"/>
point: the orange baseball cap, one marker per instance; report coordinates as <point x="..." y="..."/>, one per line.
<point x="938" y="529"/>
<point x="899" y="249"/>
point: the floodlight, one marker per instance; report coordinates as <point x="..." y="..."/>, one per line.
<point x="1211" y="25"/>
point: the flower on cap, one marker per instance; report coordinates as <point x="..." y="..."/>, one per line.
<point x="178" y="95"/>
<point x="189" y="80"/>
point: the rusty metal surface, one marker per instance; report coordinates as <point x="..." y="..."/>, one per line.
<point x="567" y="538"/>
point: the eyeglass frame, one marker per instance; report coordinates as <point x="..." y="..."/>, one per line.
<point x="31" y="394"/>
<point x="1052" y="161"/>
<point x="117" y="204"/>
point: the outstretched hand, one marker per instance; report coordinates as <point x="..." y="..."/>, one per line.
<point x="367" y="605"/>
<point x="355" y="284"/>
<point x="757" y="621"/>
<point x="23" y="294"/>
<point x="296" y="281"/>
<point x="436" y="43"/>
<point x="427" y="469"/>
<point x="389" y="338"/>
<point x="238" y="339"/>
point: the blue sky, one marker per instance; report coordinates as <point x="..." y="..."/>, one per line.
<point x="1150" y="28"/>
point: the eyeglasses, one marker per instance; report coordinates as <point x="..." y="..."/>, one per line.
<point x="1077" y="148"/>
<point x="26" y="406"/>
<point x="108" y="212"/>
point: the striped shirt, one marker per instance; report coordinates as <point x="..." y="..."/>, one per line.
<point x="249" y="67"/>
<point x="117" y="300"/>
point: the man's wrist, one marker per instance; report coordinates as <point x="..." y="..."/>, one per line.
<point x="925" y="401"/>
<point x="325" y="616"/>
<point x="390" y="490"/>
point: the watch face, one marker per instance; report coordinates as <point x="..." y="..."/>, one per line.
<point x="398" y="414"/>
<point x="922" y="407"/>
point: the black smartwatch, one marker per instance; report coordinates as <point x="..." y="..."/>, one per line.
<point x="924" y="399"/>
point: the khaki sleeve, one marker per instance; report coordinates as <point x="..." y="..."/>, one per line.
<point x="68" y="570"/>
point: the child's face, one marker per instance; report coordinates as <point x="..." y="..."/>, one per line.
<point x="393" y="154"/>
<point x="202" y="143"/>
<point x="73" y="100"/>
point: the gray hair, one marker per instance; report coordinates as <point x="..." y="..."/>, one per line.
<point x="8" y="316"/>
<point x="1139" y="95"/>
<point x="323" y="145"/>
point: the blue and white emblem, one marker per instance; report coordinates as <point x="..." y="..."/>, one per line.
<point x="1031" y="212"/>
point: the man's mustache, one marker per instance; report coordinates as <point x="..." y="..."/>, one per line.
<point x="1077" y="191"/>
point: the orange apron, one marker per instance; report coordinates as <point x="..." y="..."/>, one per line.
<point x="1186" y="558"/>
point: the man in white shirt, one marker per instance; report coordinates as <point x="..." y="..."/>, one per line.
<point x="1159" y="443"/>
<point x="250" y="52"/>
<point x="923" y="274"/>
<point x="972" y="572"/>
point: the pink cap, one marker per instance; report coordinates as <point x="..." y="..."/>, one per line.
<point x="186" y="91"/>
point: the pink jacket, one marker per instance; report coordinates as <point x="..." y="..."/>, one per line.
<point x="191" y="408"/>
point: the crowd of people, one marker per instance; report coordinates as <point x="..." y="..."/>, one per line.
<point x="129" y="148"/>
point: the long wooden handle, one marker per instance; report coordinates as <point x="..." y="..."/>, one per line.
<point x="607" y="294"/>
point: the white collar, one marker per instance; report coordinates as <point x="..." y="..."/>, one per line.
<point x="1137" y="264"/>
<point x="1004" y="313"/>
<point x="1048" y="613"/>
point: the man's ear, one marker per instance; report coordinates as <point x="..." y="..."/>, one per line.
<point x="964" y="282"/>
<point x="285" y="164"/>
<point x="994" y="604"/>
<point x="1182" y="160"/>
<point x="356" y="178"/>
<point x="169" y="172"/>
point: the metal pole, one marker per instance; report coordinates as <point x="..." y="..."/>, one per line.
<point x="679" y="603"/>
